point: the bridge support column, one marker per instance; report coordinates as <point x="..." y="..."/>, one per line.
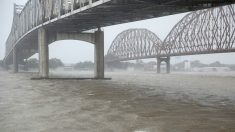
<point x="168" y="65"/>
<point x="160" y="60"/>
<point x="15" y="60"/>
<point x="25" y="65"/>
<point x="5" y="65"/>
<point x="43" y="53"/>
<point x="158" y="65"/>
<point x="99" y="54"/>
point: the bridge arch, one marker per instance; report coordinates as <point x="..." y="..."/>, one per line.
<point x="203" y="32"/>
<point x="59" y="36"/>
<point x="134" y="44"/>
<point x="75" y="51"/>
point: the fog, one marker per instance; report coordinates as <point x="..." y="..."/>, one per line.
<point x="197" y="95"/>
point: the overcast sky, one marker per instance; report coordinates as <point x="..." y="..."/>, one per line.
<point x="70" y="51"/>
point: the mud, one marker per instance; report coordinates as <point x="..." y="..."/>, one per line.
<point x="130" y="102"/>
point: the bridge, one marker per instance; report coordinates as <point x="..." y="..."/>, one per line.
<point x="200" y="32"/>
<point x="41" y="22"/>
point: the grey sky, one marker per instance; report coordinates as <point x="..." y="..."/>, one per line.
<point x="74" y="51"/>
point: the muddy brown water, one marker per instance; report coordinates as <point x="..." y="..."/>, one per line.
<point x="130" y="102"/>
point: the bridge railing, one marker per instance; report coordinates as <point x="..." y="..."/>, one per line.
<point x="36" y="12"/>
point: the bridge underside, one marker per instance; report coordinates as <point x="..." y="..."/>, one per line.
<point x="109" y="13"/>
<point x="25" y="48"/>
<point x="123" y="11"/>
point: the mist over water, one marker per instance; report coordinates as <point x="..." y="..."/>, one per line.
<point x="198" y="94"/>
<point x="131" y="101"/>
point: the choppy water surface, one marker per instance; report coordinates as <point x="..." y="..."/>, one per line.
<point x="130" y="102"/>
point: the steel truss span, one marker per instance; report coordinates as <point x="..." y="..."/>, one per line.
<point x="76" y="16"/>
<point x="202" y="32"/>
<point x="134" y="44"/>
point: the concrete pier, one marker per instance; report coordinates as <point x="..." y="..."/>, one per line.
<point x="168" y="65"/>
<point x="165" y="59"/>
<point x="5" y="65"/>
<point x="99" y="54"/>
<point x="15" y="60"/>
<point x="43" y="53"/>
<point x="158" y="65"/>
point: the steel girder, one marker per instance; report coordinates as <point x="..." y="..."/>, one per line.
<point x="133" y="44"/>
<point x="82" y="15"/>
<point x="202" y="32"/>
<point x="199" y="32"/>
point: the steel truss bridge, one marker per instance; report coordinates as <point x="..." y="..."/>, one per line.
<point x="200" y="32"/>
<point x="41" y="22"/>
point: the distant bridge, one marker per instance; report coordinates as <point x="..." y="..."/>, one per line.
<point x="134" y="44"/>
<point x="41" y="22"/>
<point x="200" y="32"/>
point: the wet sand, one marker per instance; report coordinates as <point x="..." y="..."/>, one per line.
<point x="130" y="102"/>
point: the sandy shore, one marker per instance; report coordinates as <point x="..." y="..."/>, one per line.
<point x="130" y="102"/>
